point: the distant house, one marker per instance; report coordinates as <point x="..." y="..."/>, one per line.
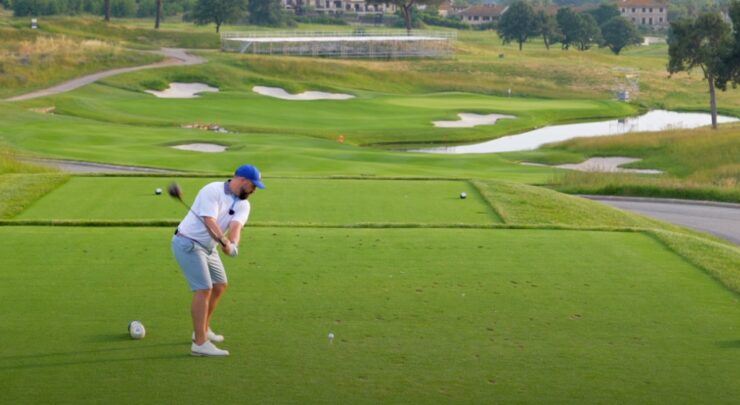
<point x="645" y="13"/>
<point x="553" y="10"/>
<point x="449" y="8"/>
<point x="338" y="6"/>
<point x="482" y="14"/>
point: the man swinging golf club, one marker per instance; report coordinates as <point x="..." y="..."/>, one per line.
<point x="217" y="216"/>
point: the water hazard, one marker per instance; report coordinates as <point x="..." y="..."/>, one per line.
<point x="657" y="120"/>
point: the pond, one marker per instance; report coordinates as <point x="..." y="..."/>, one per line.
<point x="657" y="120"/>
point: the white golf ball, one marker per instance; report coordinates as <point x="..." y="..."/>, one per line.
<point x="136" y="330"/>
<point x="331" y="336"/>
<point x="158" y="191"/>
<point x="463" y="195"/>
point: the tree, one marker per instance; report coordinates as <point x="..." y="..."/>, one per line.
<point x="106" y="9"/>
<point x="518" y="23"/>
<point x="123" y="8"/>
<point x="218" y="11"/>
<point x="548" y="28"/>
<point x="587" y="32"/>
<point x="406" y="7"/>
<point x="731" y="61"/>
<point x="702" y="43"/>
<point x="618" y="33"/>
<point x="568" y="25"/>
<point x="265" y="12"/>
<point x="159" y="15"/>
<point x="604" y="13"/>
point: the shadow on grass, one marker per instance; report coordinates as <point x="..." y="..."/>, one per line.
<point x="729" y="344"/>
<point x="113" y="337"/>
<point x="136" y="352"/>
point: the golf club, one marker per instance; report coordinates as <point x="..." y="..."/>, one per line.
<point x="176" y="193"/>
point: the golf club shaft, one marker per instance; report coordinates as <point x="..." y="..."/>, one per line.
<point x="203" y="221"/>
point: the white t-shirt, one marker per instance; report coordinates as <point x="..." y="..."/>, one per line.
<point x="214" y="200"/>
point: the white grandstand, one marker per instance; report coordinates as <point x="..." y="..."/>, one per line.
<point x="383" y="44"/>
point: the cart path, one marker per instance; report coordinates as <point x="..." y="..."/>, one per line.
<point x="720" y="219"/>
<point x="174" y="57"/>
<point x="78" y="166"/>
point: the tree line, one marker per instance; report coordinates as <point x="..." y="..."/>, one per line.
<point x="602" y="26"/>
<point x="117" y="8"/>
<point x="258" y="12"/>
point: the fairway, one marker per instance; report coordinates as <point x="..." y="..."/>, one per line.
<point x="275" y="154"/>
<point x="286" y="201"/>
<point x="370" y="118"/>
<point x="425" y="316"/>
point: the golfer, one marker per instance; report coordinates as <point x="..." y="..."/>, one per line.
<point x="224" y="210"/>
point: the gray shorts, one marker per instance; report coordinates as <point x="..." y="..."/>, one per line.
<point x="201" y="268"/>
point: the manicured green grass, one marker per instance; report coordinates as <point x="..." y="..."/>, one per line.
<point x="276" y="155"/>
<point x="286" y="201"/>
<point x="371" y="118"/>
<point x="419" y="316"/>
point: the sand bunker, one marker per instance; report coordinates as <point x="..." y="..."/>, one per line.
<point x="605" y="165"/>
<point x="201" y="147"/>
<point x="468" y="120"/>
<point x="183" y="90"/>
<point x="305" y="96"/>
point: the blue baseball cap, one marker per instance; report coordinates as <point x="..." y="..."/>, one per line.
<point x="250" y="172"/>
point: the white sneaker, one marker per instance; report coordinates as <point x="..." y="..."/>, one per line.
<point x="207" y="349"/>
<point x="212" y="337"/>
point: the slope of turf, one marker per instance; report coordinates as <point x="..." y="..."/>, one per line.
<point x="304" y="201"/>
<point x="419" y="316"/>
<point x="370" y="118"/>
<point x="276" y="155"/>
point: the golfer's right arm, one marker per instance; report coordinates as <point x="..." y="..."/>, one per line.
<point x="217" y="233"/>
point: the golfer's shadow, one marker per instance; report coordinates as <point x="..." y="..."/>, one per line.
<point x="43" y="360"/>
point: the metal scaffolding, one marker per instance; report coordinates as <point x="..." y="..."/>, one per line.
<point x="626" y="85"/>
<point x="358" y="44"/>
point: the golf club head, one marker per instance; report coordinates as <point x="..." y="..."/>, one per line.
<point x="175" y="191"/>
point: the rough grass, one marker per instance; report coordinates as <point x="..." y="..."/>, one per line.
<point x="523" y="204"/>
<point x="18" y="191"/>
<point x="625" y="184"/>
<point x="34" y="60"/>
<point x="698" y="164"/>
<point x="720" y="260"/>
<point x="477" y="66"/>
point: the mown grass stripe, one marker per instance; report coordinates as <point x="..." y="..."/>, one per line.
<point x="494" y="210"/>
<point x="720" y="261"/>
<point x="166" y="223"/>
<point x="267" y="178"/>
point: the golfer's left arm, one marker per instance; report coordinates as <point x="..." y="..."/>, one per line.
<point x="234" y="232"/>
